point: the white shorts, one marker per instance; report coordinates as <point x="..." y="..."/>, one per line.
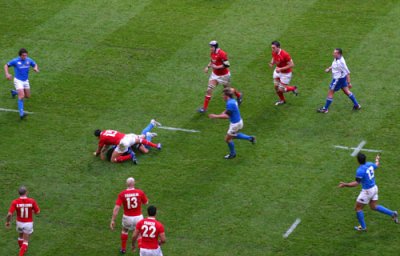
<point x="25" y="227"/>
<point x="234" y="128"/>
<point x="126" y="142"/>
<point x="129" y="222"/>
<point x="21" y="85"/>
<point x="224" y="80"/>
<point x="366" y="195"/>
<point x="151" y="252"/>
<point x="283" y="77"/>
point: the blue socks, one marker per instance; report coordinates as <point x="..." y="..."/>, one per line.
<point x="231" y="146"/>
<point x="360" y="217"/>
<point x="384" y="210"/>
<point x="328" y="103"/>
<point x="148" y="129"/>
<point x="353" y="99"/>
<point x="242" y="136"/>
<point x="21" y="107"/>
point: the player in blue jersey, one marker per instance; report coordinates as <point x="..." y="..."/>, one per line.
<point x="236" y="123"/>
<point x="369" y="194"/>
<point x="21" y="65"/>
<point x="340" y="80"/>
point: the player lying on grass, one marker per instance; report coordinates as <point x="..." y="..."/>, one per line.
<point x="369" y="194"/>
<point x="123" y="142"/>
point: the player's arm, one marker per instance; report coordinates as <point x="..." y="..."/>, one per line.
<point x="329" y="69"/>
<point x="6" y="71"/>
<point x="100" y="148"/>
<point x="223" y="115"/>
<point x="163" y="239"/>
<point x="207" y="67"/>
<point x="289" y="64"/>
<point x="350" y="184"/>
<point x="36" y="208"/>
<point x="8" y="219"/>
<point x="271" y="63"/>
<point x="134" y="238"/>
<point x="114" y="216"/>
<point x="377" y="160"/>
<point x="36" y="68"/>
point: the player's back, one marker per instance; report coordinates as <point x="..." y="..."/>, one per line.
<point x="366" y="173"/>
<point x="233" y="107"/>
<point x="132" y="200"/>
<point x="150" y="229"/>
<point x="25" y="207"/>
<point x="110" y="137"/>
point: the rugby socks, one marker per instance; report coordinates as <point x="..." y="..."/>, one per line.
<point x="242" y="136"/>
<point x="23" y="249"/>
<point x="384" y="210"/>
<point x="237" y="93"/>
<point x="231" y="146"/>
<point x="353" y="99"/>
<point x="147" y="129"/>
<point x="148" y="143"/>
<point x="14" y="93"/>
<point x="124" y="158"/>
<point x="21" y="107"/>
<point x="281" y="97"/>
<point x="124" y="238"/>
<point x="360" y="217"/>
<point x="328" y="103"/>
<point x="290" y="88"/>
<point x="206" y="102"/>
<point x="20" y="241"/>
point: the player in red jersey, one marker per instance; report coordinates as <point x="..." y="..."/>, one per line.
<point x="123" y="143"/>
<point x="25" y="207"/>
<point x="132" y="200"/>
<point x="152" y="234"/>
<point x="282" y="73"/>
<point x="220" y="74"/>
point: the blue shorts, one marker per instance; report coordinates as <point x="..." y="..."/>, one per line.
<point x="338" y="84"/>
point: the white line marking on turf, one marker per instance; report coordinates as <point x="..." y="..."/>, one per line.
<point x="358" y="148"/>
<point x="176" y="129"/>
<point x="292" y="228"/>
<point x="364" y="149"/>
<point x="14" y="110"/>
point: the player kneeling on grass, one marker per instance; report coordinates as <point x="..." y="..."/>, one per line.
<point x="369" y="194"/>
<point x="236" y="123"/>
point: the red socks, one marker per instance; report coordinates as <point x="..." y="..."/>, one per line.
<point x="124" y="158"/>
<point x="20" y="241"/>
<point x="148" y="143"/>
<point x="206" y="101"/>
<point x="281" y="97"/>
<point x="290" y="88"/>
<point x="23" y="249"/>
<point x="124" y="238"/>
<point x="237" y="93"/>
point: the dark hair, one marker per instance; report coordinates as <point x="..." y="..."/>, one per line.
<point x="152" y="210"/>
<point x="22" y="190"/>
<point x="22" y="51"/>
<point x="339" y="50"/>
<point x="362" y="159"/>
<point x="276" y="43"/>
<point x="97" y="132"/>
<point x="228" y="92"/>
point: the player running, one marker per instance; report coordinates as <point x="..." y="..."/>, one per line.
<point x="132" y="200"/>
<point x="282" y="73"/>
<point x="369" y="194"/>
<point x="236" y="123"/>
<point x="152" y="234"/>
<point x="340" y="80"/>
<point x="123" y="143"/>
<point x="220" y="74"/>
<point x="21" y="66"/>
<point x="25" y="207"/>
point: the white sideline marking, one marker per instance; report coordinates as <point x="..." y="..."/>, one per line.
<point x="292" y="228"/>
<point x="176" y="129"/>
<point x="358" y="148"/>
<point x="14" y="110"/>
<point x="364" y="149"/>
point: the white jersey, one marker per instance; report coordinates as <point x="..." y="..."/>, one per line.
<point x="339" y="68"/>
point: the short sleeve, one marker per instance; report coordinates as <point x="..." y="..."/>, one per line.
<point x="161" y="228"/>
<point x="12" y="63"/>
<point x="223" y="56"/>
<point x="36" y="208"/>
<point x="288" y="58"/>
<point x="144" y="198"/>
<point x="33" y="63"/>
<point x="139" y="225"/>
<point x="118" y="201"/>
<point x="359" y="174"/>
<point x="12" y="207"/>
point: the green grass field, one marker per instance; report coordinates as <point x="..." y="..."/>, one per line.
<point x="118" y="64"/>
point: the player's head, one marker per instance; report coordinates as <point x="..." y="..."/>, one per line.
<point x="130" y="182"/>
<point x="152" y="210"/>
<point x="97" y="132"/>
<point x="337" y="53"/>
<point x="228" y="93"/>
<point x="23" y="53"/>
<point x="22" y="191"/>
<point x="275" y="46"/>
<point x="361" y="158"/>
<point x="214" y="45"/>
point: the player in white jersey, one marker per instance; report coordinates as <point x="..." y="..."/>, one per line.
<point x="340" y="80"/>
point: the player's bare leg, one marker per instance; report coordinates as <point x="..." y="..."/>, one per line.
<point x="279" y="89"/>
<point x="211" y="85"/>
<point x="117" y="157"/>
<point x="349" y="94"/>
<point x="373" y="204"/>
<point x="20" y="239"/>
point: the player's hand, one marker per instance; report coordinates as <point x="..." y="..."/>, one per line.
<point x="8" y="76"/>
<point x="278" y="70"/>
<point x="327" y="70"/>
<point x="271" y="65"/>
<point x="342" y="184"/>
<point x="96" y="154"/>
<point x="378" y="157"/>
<point x="112" y="225"/>
<point x="206" y="69"/>
<point x="8" y="225"/>
<point x="133" y="247"/>
<point x="36" y="69"/>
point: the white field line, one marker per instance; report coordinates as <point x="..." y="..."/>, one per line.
<point x="14" y="110"/>
<point x="364" y="149"/>
<point x="176" y="129"/>
<point x="292" y="228"/>
<point x="358" y="148"/>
